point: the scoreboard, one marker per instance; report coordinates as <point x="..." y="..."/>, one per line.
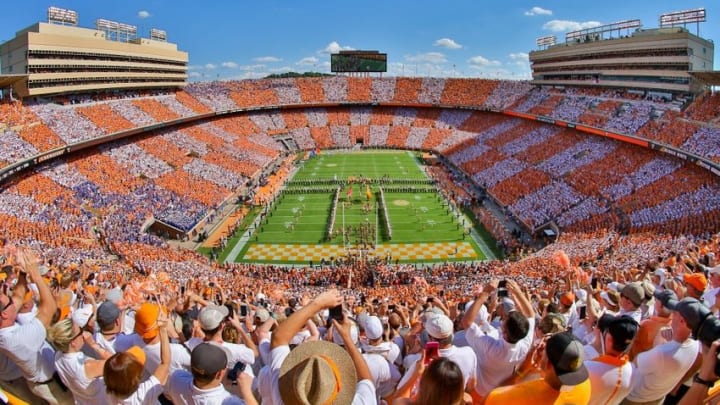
<point x="358" y="61"/>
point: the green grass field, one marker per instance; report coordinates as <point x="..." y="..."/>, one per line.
<point x="420" y="225"/>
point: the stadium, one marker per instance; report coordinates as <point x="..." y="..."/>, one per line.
<point x="114" y="169"/>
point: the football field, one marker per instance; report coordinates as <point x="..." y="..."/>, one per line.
<point x="377" y="204"/>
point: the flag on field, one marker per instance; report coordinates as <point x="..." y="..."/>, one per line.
<point x="368" y="193"/>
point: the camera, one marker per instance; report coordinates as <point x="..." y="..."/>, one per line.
<point x="233" y="374"/>
<point x="432" y="352"/>
<point x="336" y="313"/>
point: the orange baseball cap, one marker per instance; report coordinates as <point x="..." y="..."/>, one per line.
<point x="146" y="321"/>
<point x="697" y="280"/>
<point x="567" y="299"/>
<point x="138" y="353"/>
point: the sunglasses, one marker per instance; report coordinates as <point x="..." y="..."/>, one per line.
<point x="6" y="306"/>
<point x="78" y="335"/>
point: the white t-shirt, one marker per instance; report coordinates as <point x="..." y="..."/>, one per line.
<point x="708" y="297"/>
<point x="25" y="317"/>
<point x="182" y="391"/>
<point x="264" y="350"/>
<point x="238" y="353"/>
<point x="364" y="390"/>
<point x="661" y="368"/>
<point x="262" y="385"/>
<point x="464" y="357"/>
<point x="385" y="375"/>
<point x="146" y="394"/>
<point x="496" y="358"/>
<point x="179" y="357"/>
<point x="26" y="346"/>
<point x="8" y="369"/>
<point x="119" y="343"/>
<point x="610" y="383"/>
<point x="636" y="314"/>
<point x="389" y="350"/>
<point x="71" y="369"/>
<point x="129" y="322"/>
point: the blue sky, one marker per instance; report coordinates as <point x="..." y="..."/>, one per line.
<point x="249" y="39"/>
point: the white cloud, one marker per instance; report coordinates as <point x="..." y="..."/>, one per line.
<point x="210" y="66"/>
<point x="447" y="43"/>
<point x="229" y="65"/>
<point x="310" y="60"/>
<point x="429" y="57"/>
<point x="249" y="68"/>
<point x="334" y="47"/>
<point x="246" y="75"/>
<point x="480" y="61"/>
<point x="194" y="74"/>
<point x="565" y="25"/>
<point x="267" y="59"/>
<point x="538" y="11"/>
<point x="143" y="14"/>
<point x="519" y="60"/>
<point x="519" y="56"/>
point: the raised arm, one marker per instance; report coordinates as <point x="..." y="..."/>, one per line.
<point x="522" y="301"/>
<point x="47" y="306"/>
<point x="244" y="336"/>
<point x="472" y="312"/>
<point x="361" y="367"/>
<point x="286" y="330"/>
<point x="163" y="370"/>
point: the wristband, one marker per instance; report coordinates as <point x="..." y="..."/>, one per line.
<point x="697" y="379"/>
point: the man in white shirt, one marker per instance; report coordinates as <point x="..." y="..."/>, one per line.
<point x="708" y="297"/>
<point x="380" y="357"/>
<point x="661" y="368"/>
<point x="110" y="337"/>
<point x="213" y="319"/>
<point x="25" y="344"/>
<point x="611" y="373"/>
<point x="632" y="296"/>
<point x="342" y="376"/>
<point x="439" y="329"/>
<point x="205" y="384"/>
<point x="146" y="327"/>
<point x="658" y="278"/>
<point x="498" y="356"/>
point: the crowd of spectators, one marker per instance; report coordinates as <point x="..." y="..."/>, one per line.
<point x="704" y="143"/>
<point x="47" y="125"/>
<point x="433" y="89"/>
<point x="490" y="149"/>
<point x="394" y="310"/>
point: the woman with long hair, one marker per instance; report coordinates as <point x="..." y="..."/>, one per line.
<point x="441" y="382"/>
<point x="123" y="372"/>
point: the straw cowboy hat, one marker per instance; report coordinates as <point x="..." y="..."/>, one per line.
<point x="317" y="373"/>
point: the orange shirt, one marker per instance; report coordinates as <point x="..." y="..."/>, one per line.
<point x="649" y="329"/>
<point x="538" y="392"/>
